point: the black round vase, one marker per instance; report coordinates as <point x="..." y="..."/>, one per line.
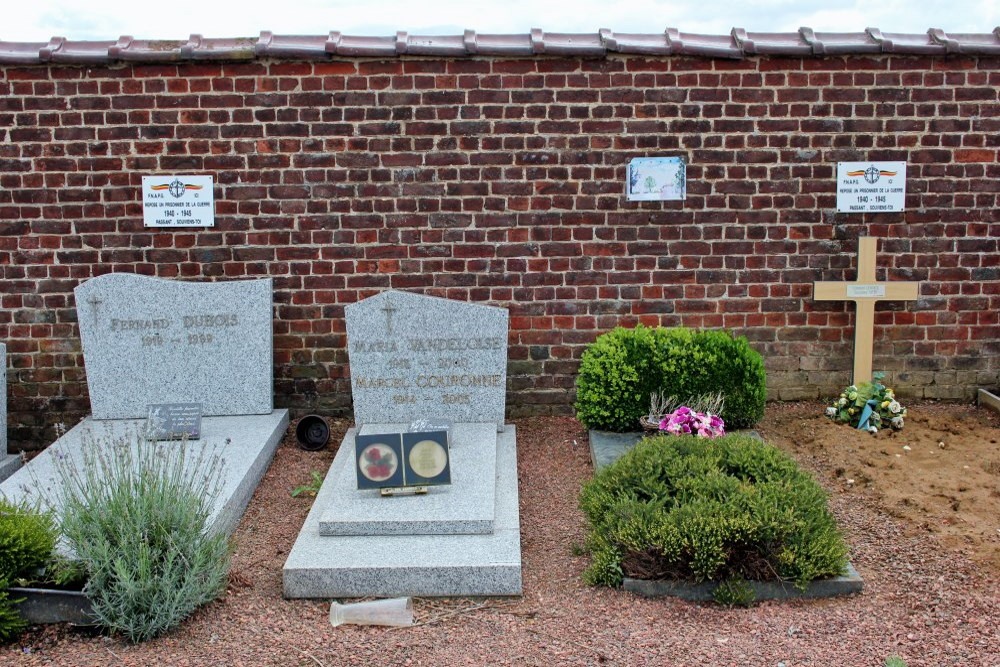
<point x="312" y="433"/>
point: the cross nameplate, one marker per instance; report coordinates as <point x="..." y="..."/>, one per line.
<point x="865" y="292"/>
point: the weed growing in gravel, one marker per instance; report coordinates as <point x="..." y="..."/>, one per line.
<point x="734" y="592"/>
<point x="894" y="661"/>
<point x="135" y="514"/>
<point x="311" y="488"/>
<point x="676" y="507"/>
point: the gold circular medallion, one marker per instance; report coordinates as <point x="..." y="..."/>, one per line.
<point x="428" y="458"/>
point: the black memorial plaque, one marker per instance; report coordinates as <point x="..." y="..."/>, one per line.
<point x="174" y="421"/>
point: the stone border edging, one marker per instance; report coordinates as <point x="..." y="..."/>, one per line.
<point x="848" y="584"/>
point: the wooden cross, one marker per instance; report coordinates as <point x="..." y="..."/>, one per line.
<point x="388" y="310"/>
<point x="865" y="292"/>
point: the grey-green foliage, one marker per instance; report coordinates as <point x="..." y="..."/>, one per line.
<point x="894" y="661"/>
<point x="690" y="508"/>
<point x="622" y="368"/>
<point x="135" y="514"/>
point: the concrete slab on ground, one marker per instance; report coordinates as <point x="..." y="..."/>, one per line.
<point x="327" y="566"/>
<point x="246" y="445"/>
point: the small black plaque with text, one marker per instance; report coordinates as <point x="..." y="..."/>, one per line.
<point x="174" y="421"/>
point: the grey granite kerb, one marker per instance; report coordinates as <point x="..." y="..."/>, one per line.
<point x="150" y="340"/>
<point x="8" y="463"/>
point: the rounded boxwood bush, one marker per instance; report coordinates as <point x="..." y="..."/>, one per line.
<point x="679" y="507"/>
<point x="620" y="370"/>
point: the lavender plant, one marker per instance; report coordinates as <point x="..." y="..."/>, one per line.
<point x="135" y="514"/>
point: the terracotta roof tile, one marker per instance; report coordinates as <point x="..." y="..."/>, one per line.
<point x="738" y="44"/>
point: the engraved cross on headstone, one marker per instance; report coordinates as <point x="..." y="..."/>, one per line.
<point x="388" y="310"/>
<point x="865" y="292"/>
<point x="94" y="302"/>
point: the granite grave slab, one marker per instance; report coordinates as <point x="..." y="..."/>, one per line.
<point x="414" y="356"/>
<point x="466" y="506"/>
<point x="246" y="445"/>
<point x="152" y="340"/>
<point x="420" y="359"/>
<point x="8" y="462"/>
<point x="418" y="564"/>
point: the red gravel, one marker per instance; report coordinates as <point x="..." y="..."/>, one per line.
<point x="929" y="605"/>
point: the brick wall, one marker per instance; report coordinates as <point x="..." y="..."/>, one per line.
<point x="501" y="181"/>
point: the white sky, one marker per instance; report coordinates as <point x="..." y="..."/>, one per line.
<point x="38" y="20"/>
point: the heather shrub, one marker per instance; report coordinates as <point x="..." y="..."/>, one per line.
<point x="11" y="623"/>
<point x="27" y="538"/>
<point x="731" y="508"/>
<point x="622" y="368"/>
<point x="135" y="515"/>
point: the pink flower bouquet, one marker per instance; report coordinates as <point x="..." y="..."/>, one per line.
<point x="684" y="421"/>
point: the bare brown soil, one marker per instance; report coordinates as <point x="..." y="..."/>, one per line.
<point x="940" y="473"/>
<point x="922" y="528"/>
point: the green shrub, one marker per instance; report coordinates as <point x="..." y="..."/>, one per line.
<point x="620" y="370"/>
<point x="135" y="514"/>
<point x="27" y="538"/>
<point x="685" y="508"/>
<point x="11" y="623"/>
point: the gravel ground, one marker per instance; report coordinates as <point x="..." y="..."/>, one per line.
<point x="922" y="602"/>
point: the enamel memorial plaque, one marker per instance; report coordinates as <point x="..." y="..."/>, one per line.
<point x="400" y="460"/>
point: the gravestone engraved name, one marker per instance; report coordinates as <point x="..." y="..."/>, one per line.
<point x="150" y="340"/>
<point x="415" y="357"/>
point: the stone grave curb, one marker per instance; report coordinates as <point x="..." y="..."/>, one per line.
<point x="987" y="399"/>
<point x="606" y="447"/>
<point x="42" y="605"/>
<point x="9" y="464"/>
<point x="848" y="584"/>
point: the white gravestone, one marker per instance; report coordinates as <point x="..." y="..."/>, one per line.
<point x="151" y="340"/>
<point x="415" y="357"/>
